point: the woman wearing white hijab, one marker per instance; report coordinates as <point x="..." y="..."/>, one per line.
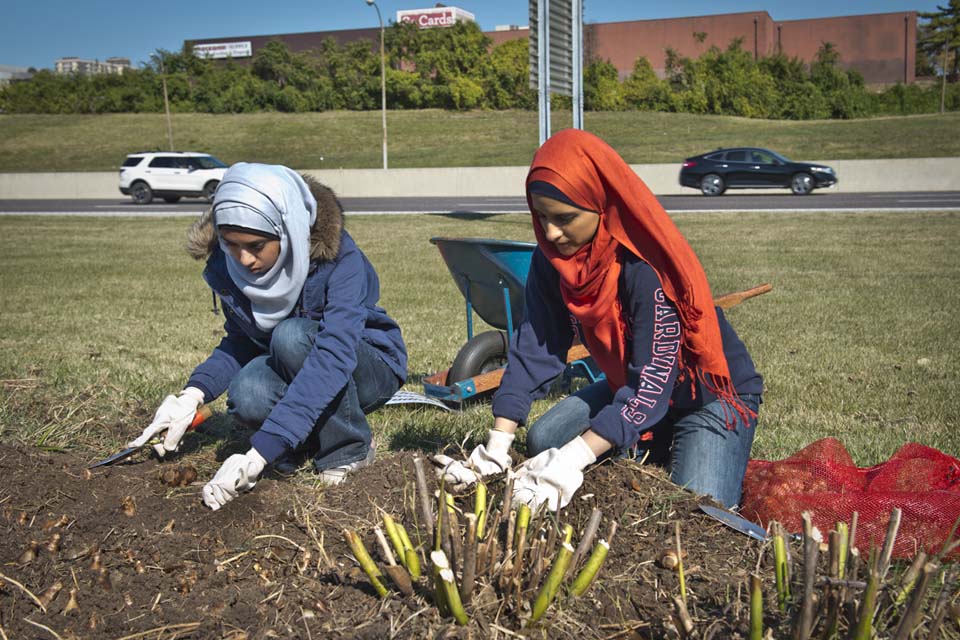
<point x="307" y="352"/>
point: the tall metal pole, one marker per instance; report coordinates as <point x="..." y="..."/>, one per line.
<point x="166" y="103"/>
<point x="543" y="62"/>
<point x="577" y="52"/>
<point x="383" y="82"/>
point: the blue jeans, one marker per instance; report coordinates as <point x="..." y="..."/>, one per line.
<point x="341" y="435"/>
<point x="697" y="448"/>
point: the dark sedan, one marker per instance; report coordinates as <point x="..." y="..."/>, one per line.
<point x="752" y="168"/>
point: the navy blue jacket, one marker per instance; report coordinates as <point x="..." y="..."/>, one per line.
<point x="341" y="295"/>
<point x="538" y="351"/>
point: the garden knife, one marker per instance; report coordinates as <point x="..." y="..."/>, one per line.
<point x="202" y="414"/>
<point x="734" y="521"/>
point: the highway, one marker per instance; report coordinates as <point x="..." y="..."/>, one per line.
<point x="732" y="201"/>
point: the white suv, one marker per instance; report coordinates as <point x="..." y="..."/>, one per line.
<point x="170" y="175"/>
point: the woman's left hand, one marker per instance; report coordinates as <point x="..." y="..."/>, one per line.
<point x="552" y="477"/>
<point x="238" y="473"/>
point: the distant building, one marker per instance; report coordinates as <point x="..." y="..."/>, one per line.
<point x="881" y="46"/>
<point x="10" y="74"/>
<point x="71" y="64"/>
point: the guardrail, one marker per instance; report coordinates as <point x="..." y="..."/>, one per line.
<point x="911" y="174"/>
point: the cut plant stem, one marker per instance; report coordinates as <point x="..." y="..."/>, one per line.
<point x="480" y="508"/>
<point x="552" y="584"/>
<point x="844" y="532"/>
<point x="523" y="522"/>
<point x="683" y="583"/>
<point x="685" y="622"/>
<point x="423" y="495"/>
<point x="384" y="547"/>
<point x="868" y="605"/>
<point x="391" y="526"/>
<point x="756" y="608"/>
<point x="910" y="576"/>
<point x="410" y="557"/>
<point x="588" y="534"/>
<point x="589" y="572"/>
<point x="892" y="528"/>
<point x="366" y="562"/>
<point x="400" y="577"/>
<point x="811" y="549"/>
<point x="447" y="583"/>
<point x="780" y="567"/>
<point x="468" y="574"/>
<point x="910" y="615"/>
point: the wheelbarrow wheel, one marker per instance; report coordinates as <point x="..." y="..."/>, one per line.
<point x="484" y="352"/>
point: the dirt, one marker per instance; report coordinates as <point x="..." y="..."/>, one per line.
<point x="273" y="563"/>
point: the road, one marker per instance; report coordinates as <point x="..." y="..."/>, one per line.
<point x="785" y="202"/>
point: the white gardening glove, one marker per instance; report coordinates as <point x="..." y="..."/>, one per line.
<point x="553" y="476"/>
<point x="238" y="473"/>
<point x="175" y="415"/>
<point x="484" y="460"/>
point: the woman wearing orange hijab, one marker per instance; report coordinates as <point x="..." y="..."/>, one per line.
<point x="611" y="266"/>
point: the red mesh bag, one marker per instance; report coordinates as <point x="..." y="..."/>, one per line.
<point x="822" y="479"/>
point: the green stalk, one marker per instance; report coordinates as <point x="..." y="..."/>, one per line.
<point x="589" y="572"/>
<point x="366" y="562"/>
<point x="552" y="584"/>
<point x="410" y="557"/>
<point x="412" y="562"/>
<point x="864" y="628"/>
<point x="449" y="587"/>
<point x="480" y="508"/>
<point x="844" y="546"/>
<point x="567" y="534"/>
<point x="780" y="569"/>
<point x="523" y="522"/>
<point x="395" y="540"/>
<point x="756" y="608"/>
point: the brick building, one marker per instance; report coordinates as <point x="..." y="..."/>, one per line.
<point x="880" y="46"/>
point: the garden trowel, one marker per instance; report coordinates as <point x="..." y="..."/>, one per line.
<point x="202" y="414"/>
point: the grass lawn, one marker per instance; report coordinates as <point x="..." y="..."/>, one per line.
<point x="434" y="138"/>
<point x="859" y="339"/>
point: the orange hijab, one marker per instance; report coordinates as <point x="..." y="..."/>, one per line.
<point x="589" y="172"/>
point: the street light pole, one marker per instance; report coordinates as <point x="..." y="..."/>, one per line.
<point x="383" y="83"/>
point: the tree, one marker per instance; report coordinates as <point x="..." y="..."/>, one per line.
<point x="943" y="33"/>
<point x="601" y="87"/>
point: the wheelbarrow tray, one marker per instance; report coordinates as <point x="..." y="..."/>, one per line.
<point x="491" y="275"/>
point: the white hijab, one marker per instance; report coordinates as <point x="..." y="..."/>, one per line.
<point x="269" y="199"/>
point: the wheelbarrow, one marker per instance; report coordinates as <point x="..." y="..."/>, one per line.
<point x="491" y="275"/>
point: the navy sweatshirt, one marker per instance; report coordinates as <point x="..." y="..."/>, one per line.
<point x="538" y="351"/>
<point x="342" y="295"/>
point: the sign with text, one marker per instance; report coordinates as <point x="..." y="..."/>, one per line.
<point x="436" y="17"/>
<point x="224" y="50"/>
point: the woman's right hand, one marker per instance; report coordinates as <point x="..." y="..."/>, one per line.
<point x="175" y="415"/>
<point x="485" y="460"/>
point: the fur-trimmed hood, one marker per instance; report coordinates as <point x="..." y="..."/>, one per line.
<point x="324" y="236"/>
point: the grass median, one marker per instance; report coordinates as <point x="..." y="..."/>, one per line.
<point x="435" y="138"/>
<point x="104" y="316"/>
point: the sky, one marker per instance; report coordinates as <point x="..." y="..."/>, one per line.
<point x="34" y="33"/>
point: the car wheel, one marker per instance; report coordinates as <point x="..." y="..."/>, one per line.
<point x="171" y="199"/>
<point x="484" y="352"/>
<point x="801" y="184"/>
<point x="141" y="192"/>
<point x="209" y="189"/>
<point x="712" y="185"/>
